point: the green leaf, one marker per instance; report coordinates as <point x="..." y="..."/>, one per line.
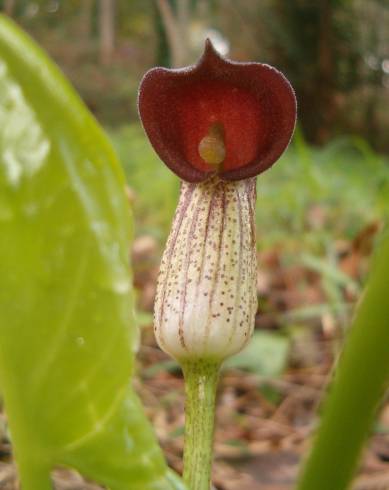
<point x="66" y="323"/>
<point x="359" y="384"/>
<point x="266" y="354"/>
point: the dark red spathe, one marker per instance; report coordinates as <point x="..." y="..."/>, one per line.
<point x="253" y="102"/>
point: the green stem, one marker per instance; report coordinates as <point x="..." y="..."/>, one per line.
<point x="359" y="384"/>
<point x="201" y="379"/>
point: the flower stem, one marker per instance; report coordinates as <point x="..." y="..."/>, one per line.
<point x="201" y="379"/>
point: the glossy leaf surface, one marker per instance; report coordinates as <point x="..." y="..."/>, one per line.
<point x="66" y="320"/>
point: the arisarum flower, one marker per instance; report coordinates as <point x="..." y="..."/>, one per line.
<point x="217" y="125"/>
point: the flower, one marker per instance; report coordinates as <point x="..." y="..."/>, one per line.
<point x="217" y="125"/>
<point x="217" y="117"/>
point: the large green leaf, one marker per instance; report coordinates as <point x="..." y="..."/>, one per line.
<point x="66" y="319"/>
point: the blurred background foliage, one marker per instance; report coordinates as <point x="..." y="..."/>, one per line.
<point x="320" y="209"/>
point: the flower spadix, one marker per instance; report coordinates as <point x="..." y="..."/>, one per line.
<point x="217" y="125"/>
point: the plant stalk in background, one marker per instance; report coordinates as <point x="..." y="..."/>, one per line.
<point x="359" y="384"/>
<point x="217" y="125"/>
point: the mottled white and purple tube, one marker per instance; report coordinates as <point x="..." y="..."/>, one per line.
<point x="206" y="294"/>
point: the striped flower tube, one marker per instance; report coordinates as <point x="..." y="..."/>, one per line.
<point x="206" y="296"/>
